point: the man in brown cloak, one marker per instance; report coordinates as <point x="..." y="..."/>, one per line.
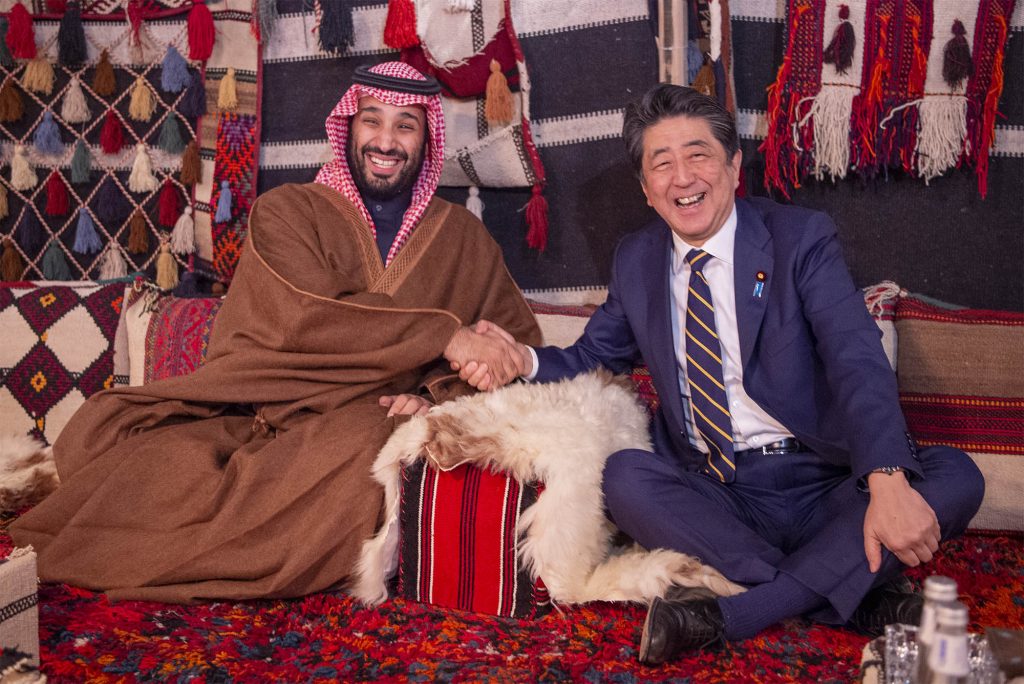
<point x="251" y="477"/>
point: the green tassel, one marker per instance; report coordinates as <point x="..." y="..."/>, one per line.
<point x="170" y="136"/>
<point x="81" y="164"/>
<point x="5" y="55"/>
<point x="55" y="266"/>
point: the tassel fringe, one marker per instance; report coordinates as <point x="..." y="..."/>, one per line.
<point x="537" y="220"/>
<point x="498" y="102"/>
<point x="75" y="109"/>
<point x="87" y="240"/>
<point x="830" y="112"/>
<point x="183" y="237"/>
<point x="23" y="176"/>
<point x="227" y="92"/>
<point x="103" y="80"/>
<point x="113" y="265"/>
<point x="201" y="32"/>
<point x="142" y="178"/>
<point x="12" y="268"/>
<point x="141" y="107"/>
<point x="400" y="25"/>
<point x="38" y="76"/>
<point x="166" y="269"/>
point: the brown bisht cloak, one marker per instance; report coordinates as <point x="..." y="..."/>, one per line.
<point x="251" y="477"/>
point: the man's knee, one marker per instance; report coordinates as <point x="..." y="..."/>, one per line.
<point x="955" y="484"/>
<point x="620" y="479"/>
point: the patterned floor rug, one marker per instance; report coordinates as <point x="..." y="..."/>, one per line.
<point x="328" y="637"/>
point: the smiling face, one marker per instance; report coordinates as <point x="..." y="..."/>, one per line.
<point x="385" y="147"/>
<point x="688" y="177"/>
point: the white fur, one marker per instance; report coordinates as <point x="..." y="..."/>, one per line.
<point x="561" y="434"/>
<point x="27" y="471"/>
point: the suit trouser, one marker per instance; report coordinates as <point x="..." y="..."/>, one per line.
<point x="792" y="513"/>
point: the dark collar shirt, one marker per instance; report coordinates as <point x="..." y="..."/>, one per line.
<point x="387" y="218"/>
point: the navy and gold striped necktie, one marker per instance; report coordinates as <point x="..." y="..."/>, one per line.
<point x="704" y="372"/>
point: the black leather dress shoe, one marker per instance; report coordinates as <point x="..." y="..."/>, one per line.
<point x="676" y="627"/>
<point x="890" y="603"/>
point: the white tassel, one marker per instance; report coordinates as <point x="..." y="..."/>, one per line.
<point x="474" y="203"/>
<point x="183" y="237"/>
<point x="113" y="265"/>
<point x="942" y="134"/>
<point x="830" y="113"/>
<point x="75" y="109"/>
<point x="142" y="178"/>
<point x="23" y="176"/>
<point x="461" y="5"/>
<point x="716" y="30"/>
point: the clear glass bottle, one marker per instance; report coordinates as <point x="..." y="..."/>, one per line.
<point x="949" y="656"/>
<point x="938" y="590"/>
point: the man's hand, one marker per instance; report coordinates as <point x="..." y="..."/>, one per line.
<point x="492" y="351"/>
<point x="404" y="404"/>
<point x="899" y="519"/>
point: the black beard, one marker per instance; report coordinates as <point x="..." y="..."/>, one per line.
<point x="376" y="188"/>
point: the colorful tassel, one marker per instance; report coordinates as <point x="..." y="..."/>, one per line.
<point x="81" y="163"/>
<point x="223" y="203"/>
<point x="141" y="107"/>
<point x="6" y="61"/>
<point x="138" y="233"/>
<point x="840" y="50"/>
<point x="400" y="25"/>
<point x="174" y="72"/>
<point x="183" y="237"/>
<point x="4" y="209"/>
<point x="110" y="204"/>
<point x="38" y="76"/>
<point x="23" y="176"/>
<point x="191" y="165"/>
<point x="21" y="38"/>
<point x="133" y="9"/>
<point x="30" y="233"/>
<point x="112" y="265"/>
<point x="336" y="31"/>
<point x="166" y="269"/>
<point x="47" y="137"/>
<point x="112" y="135"/>
<point x="537" y="220"/>
<point x="264" y="16"/>
<point x="227" y="92"/>
<point x="193" y="102"/>
<point x="104" y="82"/>
<point x="56" y="196"/>
<point x="142" y="178"/>
<point x="170" y="136"/>
<point x="11" y="106"/>
<point x="87" y="240"/>
<point x="12" y="267"/>
<point x="957" y="65"/>
<point x="201" y="32"/>
<point x="71" y="47"/>
<point x="55" y="266"/>
<point x="704" y="82"/>
<point x="170" y="204"/>
<point x="75" y="109"/>
<point x="474" y="204"/>
<point x="498" y="103"/>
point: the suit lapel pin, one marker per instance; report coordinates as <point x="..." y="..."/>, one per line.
<point x="759" y="285"/>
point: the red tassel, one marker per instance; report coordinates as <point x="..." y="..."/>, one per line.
<point x="170" y="205"/>
<point x="201" y="31"/>
<point x="112" y="135"/>
<point x="537" y="220"/>
<point x="134" y="12"/>
<point x="400" y="26"/>
<point x="20" y="37"/>
<point x="56" y="196"/>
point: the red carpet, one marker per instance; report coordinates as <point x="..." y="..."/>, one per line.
<point x="328" y="637"/>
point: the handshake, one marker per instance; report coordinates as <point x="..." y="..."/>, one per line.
<point x="487" y="357"/>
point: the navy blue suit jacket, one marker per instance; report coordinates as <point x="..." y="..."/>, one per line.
<point x="812" y="356"/>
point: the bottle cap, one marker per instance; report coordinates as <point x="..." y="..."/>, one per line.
<point x="940" y="589"/>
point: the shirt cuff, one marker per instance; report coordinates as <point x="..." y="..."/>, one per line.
<point x="536" y="364"/>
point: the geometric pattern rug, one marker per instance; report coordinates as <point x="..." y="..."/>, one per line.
<point x="330" y="637"/>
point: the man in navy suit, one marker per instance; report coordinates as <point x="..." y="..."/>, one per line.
<point x="818" y="495"/>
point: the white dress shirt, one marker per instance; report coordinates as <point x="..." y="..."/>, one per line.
<point x="751" y="426"/>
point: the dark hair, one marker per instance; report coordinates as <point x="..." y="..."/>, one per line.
<point x="664" y="101"/>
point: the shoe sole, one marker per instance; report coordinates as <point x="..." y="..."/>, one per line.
<point x="645" y="636"/>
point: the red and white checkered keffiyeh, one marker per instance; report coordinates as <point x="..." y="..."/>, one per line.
<point x="336" y="174"/>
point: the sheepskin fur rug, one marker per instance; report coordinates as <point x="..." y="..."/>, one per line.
<point x="27" y="471"/>
<point x="561" y="434"/>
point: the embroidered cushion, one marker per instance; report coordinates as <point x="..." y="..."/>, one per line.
<point x="19" y="611"/>
<point x="59" y="344"/>
<point x="458" y="542"/>
<point x="960" y="384"/>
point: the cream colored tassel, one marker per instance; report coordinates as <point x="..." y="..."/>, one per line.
<point x="113" y="265"/>
<point x="474" y="203"/>
<point x="142" y="178"/>
<point x="38" y="76"/>
<point x="141" y="107"/>
<point x="75" y="109"/>
<point x="227" y="93"/>
<point x="166" y="268"/>
<point x="183" y="237"/>
<point x="23" y="176"/>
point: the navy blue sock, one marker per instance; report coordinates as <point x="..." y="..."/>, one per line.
<point x="762" y="606"/>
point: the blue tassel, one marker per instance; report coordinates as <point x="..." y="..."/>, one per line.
<point x="109" y="204"/>
<point x="336" y="30"/>
<point x="193" y="104"/>
<point x="47" y="137"/>
<point x="30" y="233"/>
<point x="223" y="203"/>
<point x="55" y="266"/>
<point x="71" y="48"/>
<point x="87" y="241"/>
<point x="174" y="76"/>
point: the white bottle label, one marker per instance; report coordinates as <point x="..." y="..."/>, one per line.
<point x="949" y="656"/>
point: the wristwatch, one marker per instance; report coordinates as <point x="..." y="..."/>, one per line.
<point x="889" y="470"/>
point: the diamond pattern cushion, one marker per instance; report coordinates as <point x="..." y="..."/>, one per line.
<point x="58" y="349"/>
